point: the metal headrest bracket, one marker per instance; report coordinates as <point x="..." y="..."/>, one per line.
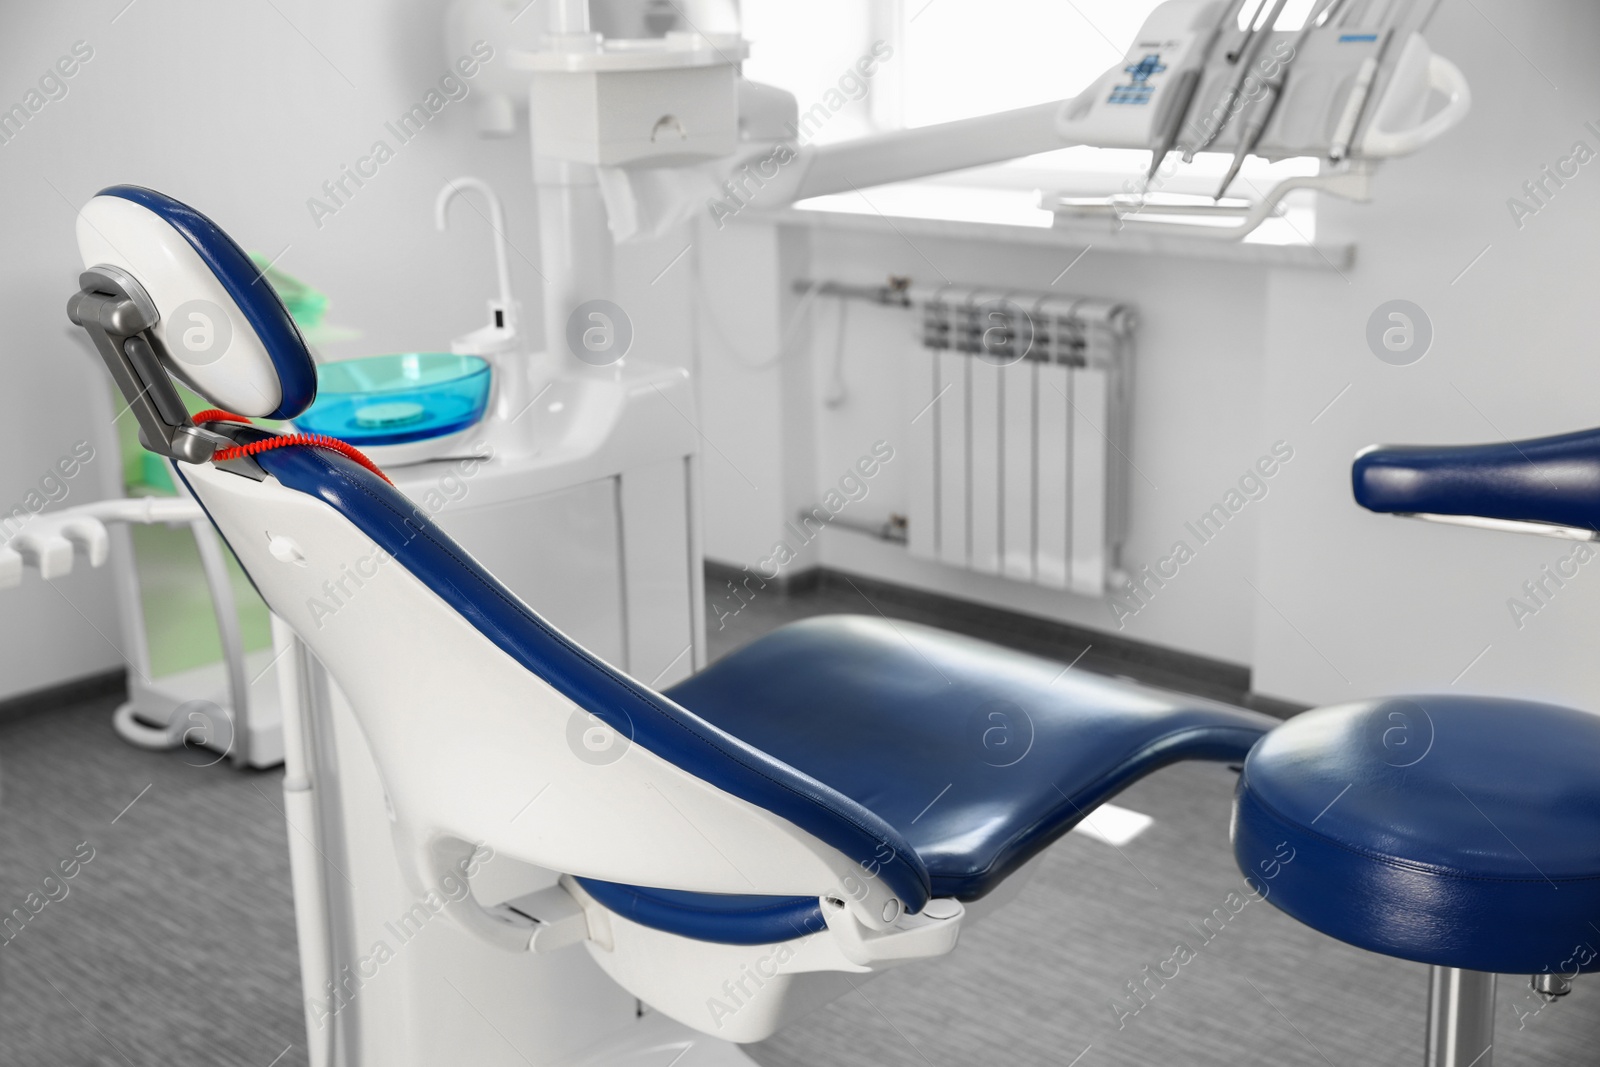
<point x="121" y="319"/>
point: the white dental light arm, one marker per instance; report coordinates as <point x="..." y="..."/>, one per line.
<point x="901" y="155"/>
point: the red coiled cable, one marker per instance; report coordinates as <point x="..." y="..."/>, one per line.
<point x="218" y="415"/>
<point x="292" y="440"/>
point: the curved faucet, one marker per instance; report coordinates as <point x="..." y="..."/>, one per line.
<point x="497" y="223"/>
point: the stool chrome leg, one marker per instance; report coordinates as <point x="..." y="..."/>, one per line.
<point x="1460" y="1018"/>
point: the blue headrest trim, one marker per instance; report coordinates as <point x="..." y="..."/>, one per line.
<point x="296" y="370"/>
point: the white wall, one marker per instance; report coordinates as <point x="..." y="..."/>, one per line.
<point x="1396" y="605"/>
<point x="243" y="111"/>
<point x="1195" y="422"/>
<point x="1323" y="600"/>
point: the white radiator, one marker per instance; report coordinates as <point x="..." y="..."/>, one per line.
<point x="1019" y="440"/>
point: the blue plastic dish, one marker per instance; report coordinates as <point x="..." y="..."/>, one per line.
<point x="393" y="400"/>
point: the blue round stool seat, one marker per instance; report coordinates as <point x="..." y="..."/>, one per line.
<point x="1455" y="831"/>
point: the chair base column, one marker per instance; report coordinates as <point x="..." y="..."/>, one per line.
<point x="1460" y="1018"/>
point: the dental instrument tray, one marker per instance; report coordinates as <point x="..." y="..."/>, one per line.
<point x="398" y="399"/>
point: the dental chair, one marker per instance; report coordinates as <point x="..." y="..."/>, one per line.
<point x="1456" y="831"/>
<point x="834" y="799"/>
<point x="843" y="795"/>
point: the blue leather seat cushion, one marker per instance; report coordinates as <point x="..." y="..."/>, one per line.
<point x="1450" y="830"/>
<point x="978" y="755"/>
<point x="1550" y="480"/>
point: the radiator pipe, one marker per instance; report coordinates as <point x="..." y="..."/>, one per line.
<point x="893" y="530"/>
<point x="898" y="291"/>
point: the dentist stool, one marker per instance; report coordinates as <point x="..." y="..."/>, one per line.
<point x="1460" y="832"/>
<point x="826" y="802"/>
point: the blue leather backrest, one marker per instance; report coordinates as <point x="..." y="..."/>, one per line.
<point x="658" y="724"/>
<point x="262" y="308"/>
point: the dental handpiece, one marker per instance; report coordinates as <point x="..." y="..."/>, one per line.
<point x="1345" y="132"/>
<point x="1250" y="136"/>
<point x="1262" y="113"/>
<point x="1259" y="27"/>
<point x="1184" y="88"/>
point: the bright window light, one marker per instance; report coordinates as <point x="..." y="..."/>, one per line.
<point x="1292" y="17"/>
<point x="808" y="47"/>
<point x="972" y="57"/>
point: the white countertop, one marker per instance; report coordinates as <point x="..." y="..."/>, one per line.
<point x="964" y="212"/>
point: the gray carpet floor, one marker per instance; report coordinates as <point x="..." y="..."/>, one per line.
<point x="174" y="944"/>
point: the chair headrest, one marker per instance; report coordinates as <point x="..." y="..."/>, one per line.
<point x="227" y="334"/>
